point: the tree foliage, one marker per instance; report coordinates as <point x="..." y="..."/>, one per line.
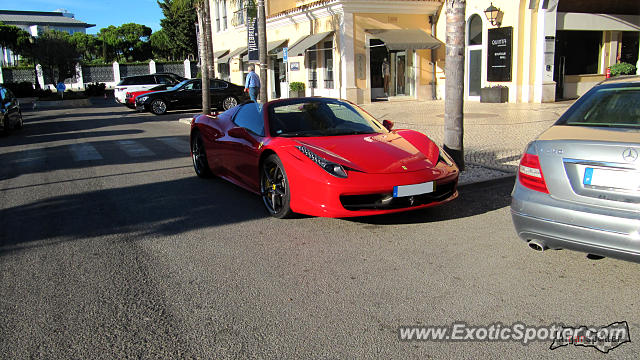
<point x="88" y="46"/>
<point x="179" y="25"/>
<point x="56" y="53"/>
<point x="161" y="45"/>
<point x="128" y="42"/>
<point x="14" y="38"/>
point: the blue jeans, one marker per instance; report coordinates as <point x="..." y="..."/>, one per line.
<point x="253" y="93"/>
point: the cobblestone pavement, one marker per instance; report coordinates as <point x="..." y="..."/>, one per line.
<point x="495" y="134"/>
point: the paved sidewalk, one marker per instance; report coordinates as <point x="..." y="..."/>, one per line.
<point x="495" y="134"/>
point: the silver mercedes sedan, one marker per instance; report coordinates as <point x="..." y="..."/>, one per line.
<point x="578" y="183"/>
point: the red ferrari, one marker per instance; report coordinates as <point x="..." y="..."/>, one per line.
<point x="322" y="157"/>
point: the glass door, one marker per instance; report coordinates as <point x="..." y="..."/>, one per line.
<point x="401" y="73"/>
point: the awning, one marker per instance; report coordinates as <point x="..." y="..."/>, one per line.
<point x="271" y="46"/>
<point x="217" y="54"/>
<point x="406" y="39"/>
<point x="300" y="47"/>
<point x="281" y="54"/>
<point x="232" y="54"/>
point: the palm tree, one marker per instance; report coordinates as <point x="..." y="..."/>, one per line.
<point x="201" y="7"/>
<point x="454" y="73"/>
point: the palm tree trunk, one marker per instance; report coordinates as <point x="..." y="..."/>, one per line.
<point x="208" y="40"/>
<point x="454" y="74"/>
<point x="206" y="99"/>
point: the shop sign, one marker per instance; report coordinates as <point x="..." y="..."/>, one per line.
<point x="499" y="54"/>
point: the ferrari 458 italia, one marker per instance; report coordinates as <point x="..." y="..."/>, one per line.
<point x="322" y="157"/>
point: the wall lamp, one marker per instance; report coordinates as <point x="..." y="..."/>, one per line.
<point x="494" y="15"/>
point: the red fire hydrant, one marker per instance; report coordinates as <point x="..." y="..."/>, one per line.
<point x="608" y="73"/>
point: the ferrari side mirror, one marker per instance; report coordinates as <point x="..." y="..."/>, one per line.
<point x="388" y="124"/>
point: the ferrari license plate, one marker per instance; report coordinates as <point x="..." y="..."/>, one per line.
<point x="611" y="178"/>
<point x="415" y="189"/>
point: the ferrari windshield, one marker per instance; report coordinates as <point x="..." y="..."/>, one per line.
<point x="606" y="107"/>
<point x="320" y="117"/>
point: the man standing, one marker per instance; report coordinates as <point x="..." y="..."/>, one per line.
<point x="252" y="85"/>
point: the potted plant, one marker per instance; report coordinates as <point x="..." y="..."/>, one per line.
<point x="494" y="94"/>
<point x="296" y="89"/>
<point x="622" y="69"/>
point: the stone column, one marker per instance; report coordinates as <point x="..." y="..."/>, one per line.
<point x="348" y="89"/>
<point x="40" y="75"/>
<point x="152" y="67"/>
<point x="116" y="72"/>
<point x="187" y="69"/>
<point x="79" y="77"/>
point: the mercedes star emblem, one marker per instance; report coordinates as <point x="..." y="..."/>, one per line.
<point x="630" y="155"/>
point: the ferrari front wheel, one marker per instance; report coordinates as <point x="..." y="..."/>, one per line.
<point x="274" y="188"/>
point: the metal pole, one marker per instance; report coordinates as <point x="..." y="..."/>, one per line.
<point x="262" y="47"/>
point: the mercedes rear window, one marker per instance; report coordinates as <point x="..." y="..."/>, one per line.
<point x="606" y="107"/>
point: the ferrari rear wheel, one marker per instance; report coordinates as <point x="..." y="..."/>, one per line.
<point x="158" y="107"/>
<point x="199" y="157"/>
<point x="229" y="102"/>
<point x="274" y="187"/>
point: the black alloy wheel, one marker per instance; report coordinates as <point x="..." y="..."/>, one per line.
<point x="199" y="156"/>
<point x="274" y="188"/>
<point x="229" y="102"/>
<point x="158" y="107"/>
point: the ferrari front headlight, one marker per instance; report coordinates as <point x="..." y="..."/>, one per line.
<point x="332" y="168"/>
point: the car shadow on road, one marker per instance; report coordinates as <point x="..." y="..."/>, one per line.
<point x="161" y="208"/>
<point x="473" y="199"/>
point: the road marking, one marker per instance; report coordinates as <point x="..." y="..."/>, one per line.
<point x="176" y="143"/>
<point x="31" y="157"/>
<point x="84" y="152"/>
<point x="134" y="149"/>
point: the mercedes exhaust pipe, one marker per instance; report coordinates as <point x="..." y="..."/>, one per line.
<point x="537" y="245"/>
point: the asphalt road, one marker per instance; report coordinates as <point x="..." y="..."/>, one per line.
<point x="111" y="247"/>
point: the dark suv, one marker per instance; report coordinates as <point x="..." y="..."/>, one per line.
<point x="143" y="82"/>
<point x="10" y="114"/>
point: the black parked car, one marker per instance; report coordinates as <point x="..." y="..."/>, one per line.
<point x="188" y="95"/>
<point x="10" y="114"/>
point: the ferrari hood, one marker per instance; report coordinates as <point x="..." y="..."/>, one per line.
<point x="375" y="153"/>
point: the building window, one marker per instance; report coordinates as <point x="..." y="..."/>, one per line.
<point x="239" y="16"/>
<point x="221" y="15"/>
<point x="218" y="16"/>
<point x="224" y="15"/>
<point x="312" y="67"/>
<point x="223" y="71"/>
<point x="475" y="30"/>
<point x="328" y="64"/>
